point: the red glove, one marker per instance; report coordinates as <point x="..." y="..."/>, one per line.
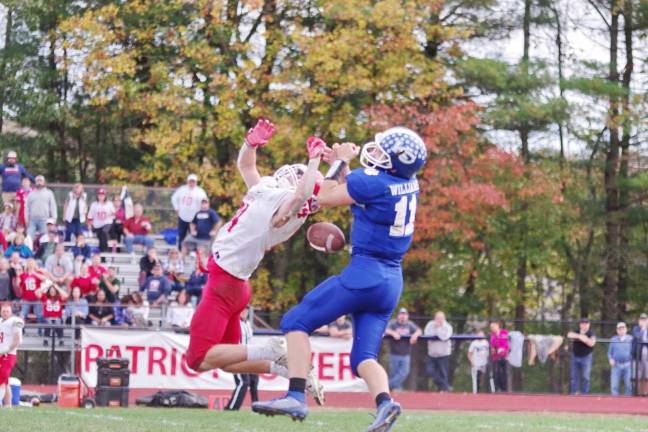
<point x="315" y="146"/>
<point x="260" y="134"/>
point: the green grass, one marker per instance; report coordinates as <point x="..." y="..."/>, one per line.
<point x="52" y="419"/>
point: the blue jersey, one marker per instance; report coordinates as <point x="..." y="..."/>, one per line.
<point x="384" y="212"/>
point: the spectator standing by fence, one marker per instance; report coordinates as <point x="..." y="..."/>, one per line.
<point x="478" y="357"/>
<point x="75" y="211"/>
<point x="401" y="348"/>
<point x="203" y="229"/>
<point x="12" y="174"/>
<point x="499" y="342"/>
<point x="620" y="358"/>
<point x="341" y="328"/>
<point x="438" y="361"/>
<point x="186" y="201"/>
<point x="101" y="217"/>
<point x="581" y="358"/>
<point x="640" y="353"/>
<point x="137" y="229"/>
<point x="21" y="199"/>
<point x="41" y="206"/>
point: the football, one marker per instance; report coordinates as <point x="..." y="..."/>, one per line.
<point x="325" y="237"/>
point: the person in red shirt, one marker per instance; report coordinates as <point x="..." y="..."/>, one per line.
<point x="30" y="282"/>
<point x="96" y="269"/>
<point x="21" y="198"/>
<point x="86" y="282"/>
<point x="52" y="298"/>
<point x="136" y="229"/>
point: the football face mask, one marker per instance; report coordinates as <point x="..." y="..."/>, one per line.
<point x="287" y="176"/>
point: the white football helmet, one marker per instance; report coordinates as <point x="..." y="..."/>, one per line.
<point x="287" y="176"/>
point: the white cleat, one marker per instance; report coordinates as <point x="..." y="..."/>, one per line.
<point x="314" y="388"/>
<point x="278" y="347"/>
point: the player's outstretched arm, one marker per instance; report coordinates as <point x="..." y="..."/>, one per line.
<point x="334" y="192"/>
<point x="306" y="185"/>
<point x="256" y="137"/>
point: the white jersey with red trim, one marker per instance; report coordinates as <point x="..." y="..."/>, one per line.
<point x="241" y="243"/>
<point x="10" y="329"/>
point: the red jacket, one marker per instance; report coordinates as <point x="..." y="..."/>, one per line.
<point x="136" y="227"/>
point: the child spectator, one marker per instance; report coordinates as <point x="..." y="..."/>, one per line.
<point x="101" y="217"/>
<point x="75" y="211"/>
<point x="147" y="262"/>
<point x="122" y="317"/>
<point x="85" y="282"/>
<point x="81" y="249"/>
<point x="478" y="357"/>
<point x="138" y="311"/>
<point x="156" y="287"/>
<point x="30" y="283"/>
<point x="136" y="230"/>
<point x="101" y="312"/>
<point x="8" y="220"/>
<point x="110" y="284"/>
<point x="60" y="267"/>
<point x="20" y="247"/>
<point x="52" y="298"/>
<point x="76" y="307"/>
<point x="174" y="269"/>
<point x="20" y="229"/>
<point x="180" y="312"/>
<point x="21" y="199"/>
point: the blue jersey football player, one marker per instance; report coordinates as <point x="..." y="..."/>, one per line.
<point x="383" y="197"/>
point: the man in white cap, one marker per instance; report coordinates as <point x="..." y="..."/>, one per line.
<point x="40" y="206"/>
<point x="12" y="174"/>
<point x="186" y="202"/>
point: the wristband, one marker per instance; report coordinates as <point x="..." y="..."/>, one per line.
<point x="337" y="168"/>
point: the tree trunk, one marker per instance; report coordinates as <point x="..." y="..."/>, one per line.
<point x="3" y="65"/>
<point x="612" y="241"/>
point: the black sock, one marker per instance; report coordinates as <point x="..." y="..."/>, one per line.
<point x="297" y="385"/>
<point x="382" y="397"/>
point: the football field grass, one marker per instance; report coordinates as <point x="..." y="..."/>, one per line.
<point x="52" y="419"/>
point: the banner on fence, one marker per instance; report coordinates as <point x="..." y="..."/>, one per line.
<point x="157" y="360"/>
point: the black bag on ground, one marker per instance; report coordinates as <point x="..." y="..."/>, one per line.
<point x="173" y="399"/>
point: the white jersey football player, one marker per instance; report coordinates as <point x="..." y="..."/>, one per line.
<point x="273" y="209"/>
<point x="10" y="338"/>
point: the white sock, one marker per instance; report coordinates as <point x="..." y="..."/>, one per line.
<point x="259" y="352"/>
<point x="276" y="369"/>
<point x="2" y="394"/>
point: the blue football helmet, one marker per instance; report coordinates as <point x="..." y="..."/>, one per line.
<point x="398" y="150"/>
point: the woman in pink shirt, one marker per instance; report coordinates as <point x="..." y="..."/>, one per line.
<point x="499" y="345"/>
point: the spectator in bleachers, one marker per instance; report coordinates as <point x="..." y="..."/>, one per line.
<point x="499" y="343"/>
<point x="60" y="267"/>
<point x="186" y="201"/>
<point x="20" y="229"/>
<point x="136" y="230"/>
<point x="438" y="355"/>
<point x="30" y="282"/>
<point x="101" y="312"/>
<point x="147" y="262"/>
<point x="12" y="174"/>
<point x="100" y="218"/>
<point x="40" y="207"/>
<point x="18" y="245"/>
<point x="47" y="242"/>
<point x="6" y="283"/>
<point x="174" y="269"/>
<point x="81" y="248"/>
<point x="117" y="228"/>
<point x="110" y="284"/>
<point x="96" y="269"/>
<point x="640" y="353"/>
<point x="75" y="211"/>
<point x="3" y="242"/>
<point x="620" y="358"/>
<point x="203" y="229"/>
<point x="341" y="328"/>
<point x="85" y="282"/>
<point x="156" y="287"/>
<point x="478" y="357"/>
<point x="195" y="284"/>
<point x="52" y="298"/>
<point x="76" y="307"/>
<point x="138" y="311"/>
<point x="401" y="348"/>
<point x="180" y="311"/>
<point x="21" y="199"/>
<point x="122" y="317"/>
<point x="581" y="359"/>
<point x="8" y="219"/>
